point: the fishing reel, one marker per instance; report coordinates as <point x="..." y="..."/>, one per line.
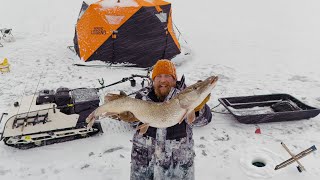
<point x="145" y="79"/>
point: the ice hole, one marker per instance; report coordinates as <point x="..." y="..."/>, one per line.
<point x="258" y="163"/>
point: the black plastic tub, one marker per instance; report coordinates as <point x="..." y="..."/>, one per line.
<point x="268" y="108"/>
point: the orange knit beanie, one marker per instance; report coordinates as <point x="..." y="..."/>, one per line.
<point x="164" y="66"/>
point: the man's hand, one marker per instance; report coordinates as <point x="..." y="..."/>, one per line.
<point x="201" y="105"/>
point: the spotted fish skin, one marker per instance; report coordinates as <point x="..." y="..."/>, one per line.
<point x="159" y="115"/>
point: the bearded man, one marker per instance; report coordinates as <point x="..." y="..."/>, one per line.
<point x="165" y="153"/>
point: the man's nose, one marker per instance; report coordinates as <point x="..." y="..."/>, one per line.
<point x="162" y="79"/>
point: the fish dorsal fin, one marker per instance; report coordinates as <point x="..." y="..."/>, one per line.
<point x="123" y="93"/>
<point x="143" y="128"/>
<point x="111" y="97"/>
<point x="183" y="117"/>
<point x="190" y="115"/>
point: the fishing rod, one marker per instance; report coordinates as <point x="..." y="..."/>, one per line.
<point x="17" y="104"/>
<point x="130" y="78"/>
<point x="34" y="94"/>
<point x="25" y="123"/>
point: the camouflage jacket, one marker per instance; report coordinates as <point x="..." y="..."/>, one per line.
<point x="165" y="153"/>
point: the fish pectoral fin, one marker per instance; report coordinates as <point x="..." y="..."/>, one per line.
<point x="191" y="116"/>
<point x="181" y="120"/>
<point x="183" y="117"/>
<point x="127" y="116"/>
<point x="143" y="128"/>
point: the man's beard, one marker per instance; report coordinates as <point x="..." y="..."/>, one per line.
<point x="162" y="92"/>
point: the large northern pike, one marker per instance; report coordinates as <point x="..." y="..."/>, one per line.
<point x="159" y="115"/>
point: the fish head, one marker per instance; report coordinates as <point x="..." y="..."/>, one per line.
<point x="193" y="95"/>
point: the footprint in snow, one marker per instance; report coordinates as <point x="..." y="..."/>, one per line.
<point x="112" y="149"/>
<point x="91" y="154"/>
<point x="202" y="146"/>
<point x="202" y="138"/>
<point x="204" y="153"/>
<point x="299" y="78"/>
<point x="56" y="171"/>
<point x="4" y="171"/>
<point x="85" y="166"/>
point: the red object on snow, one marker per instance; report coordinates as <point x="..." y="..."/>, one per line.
<point x="258" y="131"/>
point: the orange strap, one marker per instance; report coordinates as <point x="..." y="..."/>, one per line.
<point x="158" y="8"/>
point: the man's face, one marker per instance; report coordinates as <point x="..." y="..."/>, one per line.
<point x="162" y="84"/>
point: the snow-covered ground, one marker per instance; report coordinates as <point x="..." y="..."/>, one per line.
<point x="255" y="47"/>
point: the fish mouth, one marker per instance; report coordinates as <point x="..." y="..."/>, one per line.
<point x="214" y="80"/>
